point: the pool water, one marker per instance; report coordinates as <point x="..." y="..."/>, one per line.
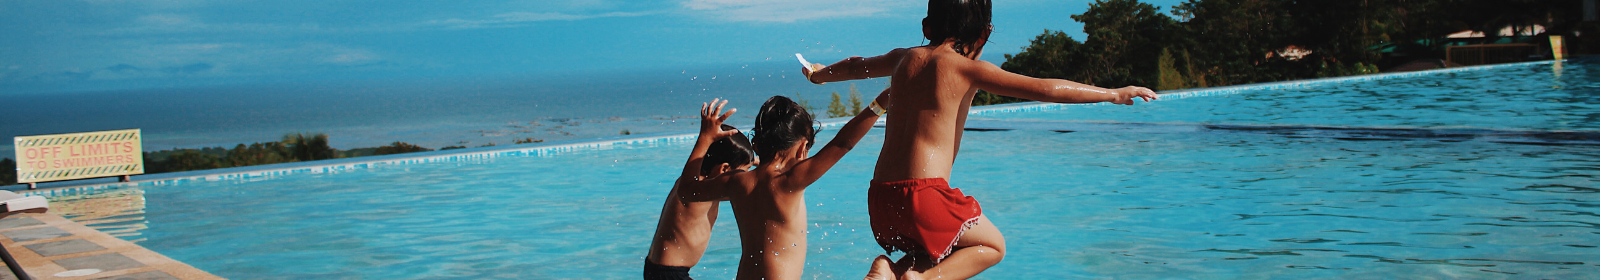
<point x="1111" y="201"/>
<point x="1522" y="97"/>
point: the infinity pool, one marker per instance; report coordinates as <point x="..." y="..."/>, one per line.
<point x="1219" y="186"/>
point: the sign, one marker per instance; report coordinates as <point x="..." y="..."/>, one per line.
<point x="1556" y="48"/>
<point x="71" y="156"/>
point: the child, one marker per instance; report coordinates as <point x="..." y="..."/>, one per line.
<point x="685" y="227"/>
<point x="769" y="202"/>
<point x="912" y="207"/>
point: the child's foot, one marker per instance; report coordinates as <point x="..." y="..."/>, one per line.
<point x="881" y="270"/>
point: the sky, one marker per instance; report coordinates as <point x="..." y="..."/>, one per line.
<point x="54" y="46"/>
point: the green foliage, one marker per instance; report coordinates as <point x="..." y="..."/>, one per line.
<point x="306" y="147"/>
<point x="295" y="147"/>
<point x="836" y="108"/>
<point x="840" y="108"/>
<point x="257" y="154"/>
<point x="399" y="148"/>
<point x="8" y="171"/>
<point x="1053" y="55"/>
<point x="1125" y="37"/>
<point x="803" y="103"/>
<point x="452" y="147"/>
<point x="855" y="100"/>
<point x="185" y="160"/>
<point x="1167" y="76"/>
<point x="1226" y="42"/>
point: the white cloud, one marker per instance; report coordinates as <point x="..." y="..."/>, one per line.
<point x="791" y="11"/>
<point x="174" y="23"/>
<point x="515" y="19"/>
<point x="135" y="60"/>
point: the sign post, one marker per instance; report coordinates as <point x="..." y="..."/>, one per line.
<point x="70" y="156"/>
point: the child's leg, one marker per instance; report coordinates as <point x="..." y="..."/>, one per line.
<point x="979" y="248"/>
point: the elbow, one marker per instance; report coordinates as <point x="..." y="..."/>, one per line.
<point x="841" y="146"/>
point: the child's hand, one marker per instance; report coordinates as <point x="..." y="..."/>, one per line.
<point x="807" y="70"/>
<point x="1125" y="95"/>
<point x="711" y="118"/>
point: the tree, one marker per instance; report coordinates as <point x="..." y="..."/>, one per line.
<point x="402" y="147"/>
<point x="186" y="160"/>
<point x="1168" y="75"/>
<point x="855" y="99"/>
<point x="308" y="147"/>
<point x="1052" y="55"/>
<point x="1237" y="37"/>
<point x="836" y="108"/>
<point x="1125" y="38"/>
<point x="804" y="103"/>
<point x="8" y="171"/>
<point x="258" y="154"/>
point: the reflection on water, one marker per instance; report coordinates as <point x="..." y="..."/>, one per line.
<point x="119" y="212"/>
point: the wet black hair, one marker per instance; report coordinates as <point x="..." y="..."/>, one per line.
<point x="780" y="124"/>
<point x="733" y="150"/>
<point x="962" y="20"/>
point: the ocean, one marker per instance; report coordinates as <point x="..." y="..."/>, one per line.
<point x="432" y="113"/>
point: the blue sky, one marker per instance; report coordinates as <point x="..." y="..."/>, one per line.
<point x="77" y="45"/>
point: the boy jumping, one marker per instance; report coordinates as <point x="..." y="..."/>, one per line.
<point x="912" y="207"/>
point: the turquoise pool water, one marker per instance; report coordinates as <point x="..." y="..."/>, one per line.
<point x="1182" y="188"/>
<point x="1525" y="97"/>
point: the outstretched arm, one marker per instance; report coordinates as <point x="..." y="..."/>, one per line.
<point x="811" y="169"/>
<point x="855" y="68"/>
<point x="711" y="118"/>
<point x="989" y="77"/>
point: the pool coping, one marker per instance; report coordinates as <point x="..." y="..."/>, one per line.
<point x="54" y="189"/>
<point x="48" y="246"/>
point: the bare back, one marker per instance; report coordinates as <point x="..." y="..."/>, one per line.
<point x="682" y="232"/>
<point x="772" y="226"/>
<point x="928" y="105"/>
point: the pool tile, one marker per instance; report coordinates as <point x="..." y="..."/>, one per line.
<point x="64" y="247"/>
<point x="35" y="234"/>
<point x="106" y="262"/>
<point x="147" y="275"/>
<point x="16" y="222"/>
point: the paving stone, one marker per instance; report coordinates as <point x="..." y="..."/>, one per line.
<point x="147" y="275"/>
<point x="64" y="247"/>
<point x="35" y="234"/>
<point x="5" y="273"/>
<point x="106" y="262"/>
<point x="16" y="222"/>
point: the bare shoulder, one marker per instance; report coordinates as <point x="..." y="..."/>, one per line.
<point x="914" y="55"/>
<point x="742" y="181"/>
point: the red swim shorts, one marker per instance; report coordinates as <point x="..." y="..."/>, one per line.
<point x="920" y="215"/>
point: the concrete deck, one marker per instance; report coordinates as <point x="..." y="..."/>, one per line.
<point x="51" y="247"/>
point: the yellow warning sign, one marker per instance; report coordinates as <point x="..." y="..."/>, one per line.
<point x="1557" y="49"/>
<point x="71" y="156"/>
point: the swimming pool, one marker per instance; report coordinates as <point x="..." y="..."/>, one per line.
<point x="1213" y="185"/>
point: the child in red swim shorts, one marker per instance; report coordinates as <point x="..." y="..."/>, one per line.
<point x="912" y="207"/>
